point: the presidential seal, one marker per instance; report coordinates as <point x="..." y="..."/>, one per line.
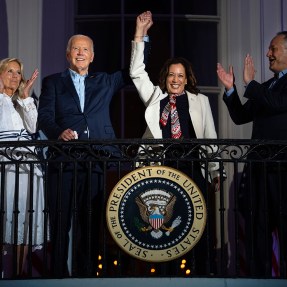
<point x="156" y="213"/>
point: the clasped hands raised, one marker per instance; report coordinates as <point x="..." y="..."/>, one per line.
<point x="143" y="23"/>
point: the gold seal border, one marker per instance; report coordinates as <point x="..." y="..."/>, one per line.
<point x="144" y="173"/>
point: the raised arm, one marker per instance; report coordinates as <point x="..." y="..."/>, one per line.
<point x="143" y="23"/>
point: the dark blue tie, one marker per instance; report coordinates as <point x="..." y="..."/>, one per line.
<point x="276" y="77"/>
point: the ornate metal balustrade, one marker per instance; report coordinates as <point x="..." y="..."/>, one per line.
<point x="221" y="243"/>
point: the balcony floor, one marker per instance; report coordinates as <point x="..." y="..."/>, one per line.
<point x="144" y="282"/>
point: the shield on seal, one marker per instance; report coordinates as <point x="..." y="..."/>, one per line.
<point x="156" y="220"/>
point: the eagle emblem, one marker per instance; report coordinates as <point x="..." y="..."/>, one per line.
<point x="156" y="210"/>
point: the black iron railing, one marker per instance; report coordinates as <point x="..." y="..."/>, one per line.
<point x="223" y="249"/>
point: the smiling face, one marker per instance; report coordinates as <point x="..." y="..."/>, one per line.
<point x="80" y="54"/>
<point x="277" y="54"/>
<point x="11" y="78"/>
<point x="176" y="79"/>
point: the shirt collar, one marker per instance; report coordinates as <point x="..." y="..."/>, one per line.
<point x="282" y="73"/>
<point x="75" y="75"/>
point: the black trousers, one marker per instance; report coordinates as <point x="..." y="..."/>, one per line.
<point x="73" y="194"/>
<point x="263" y="204"/>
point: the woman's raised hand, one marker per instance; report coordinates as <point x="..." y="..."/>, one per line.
<point x="29" y="84"/>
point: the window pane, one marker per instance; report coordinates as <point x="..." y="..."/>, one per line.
<point x="199" y="47"/>
<point x="195" y="7"/>
<point x="160" y="48"/>
<point x="88" y="7"/>
<point x="127" y="114"/>
<point x="172" y="34"/>
<point x="107" y="48"/>
<point x="155" y="6"/>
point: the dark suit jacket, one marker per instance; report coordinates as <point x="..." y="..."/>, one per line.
<point x="59" y="105"/>
<point x="263" y="184"/>
<point x="266" y="108"/>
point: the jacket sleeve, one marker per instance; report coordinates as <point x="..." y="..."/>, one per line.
<point x="138" y="73"/>
<point x="239" y="113"/>
<point x="46" y="112"/>
<point x="272" y="100"/>
<point x="28" y="113"/>
<point x="126" y="71"/>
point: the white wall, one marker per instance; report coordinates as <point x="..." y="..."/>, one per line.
<point x="24" y="33"/>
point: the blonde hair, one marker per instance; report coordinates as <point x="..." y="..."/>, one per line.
<point x="3" y="67"/>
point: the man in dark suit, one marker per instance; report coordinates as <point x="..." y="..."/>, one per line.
<point x="75" y="105"/>
<point x="263" y="193"/>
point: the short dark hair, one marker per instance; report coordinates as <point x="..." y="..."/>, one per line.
<point x="283" y="33"/>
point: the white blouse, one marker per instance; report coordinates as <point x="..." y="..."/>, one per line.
<point x="15" y="116"/>
<point x="23" y="116"/>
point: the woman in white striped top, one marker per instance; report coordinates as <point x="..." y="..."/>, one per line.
<point x="18" y="120"/>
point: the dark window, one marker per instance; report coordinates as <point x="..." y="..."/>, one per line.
<point x="88" y="7"/>
<point x="181" y="28"/>
<point x="195" y="7"/>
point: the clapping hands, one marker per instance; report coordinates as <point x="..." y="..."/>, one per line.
<point x="249" y="70"/>
<point x="226" y="78"/>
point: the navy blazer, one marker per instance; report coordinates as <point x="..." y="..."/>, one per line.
<point x="266" y="108"/>
<point x="59" y="105"/>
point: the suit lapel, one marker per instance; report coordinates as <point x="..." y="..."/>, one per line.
<point x="280" y="82"/>
<point x="195" y="112"/>
<point x="88" y="91"/>
<point x="67" y="80"/>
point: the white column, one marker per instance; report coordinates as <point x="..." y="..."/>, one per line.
<point x="24" y="32"/>
<point x="284" y="18"/>
<point x="273" y="20"/>
<point x="240" y="34"/>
